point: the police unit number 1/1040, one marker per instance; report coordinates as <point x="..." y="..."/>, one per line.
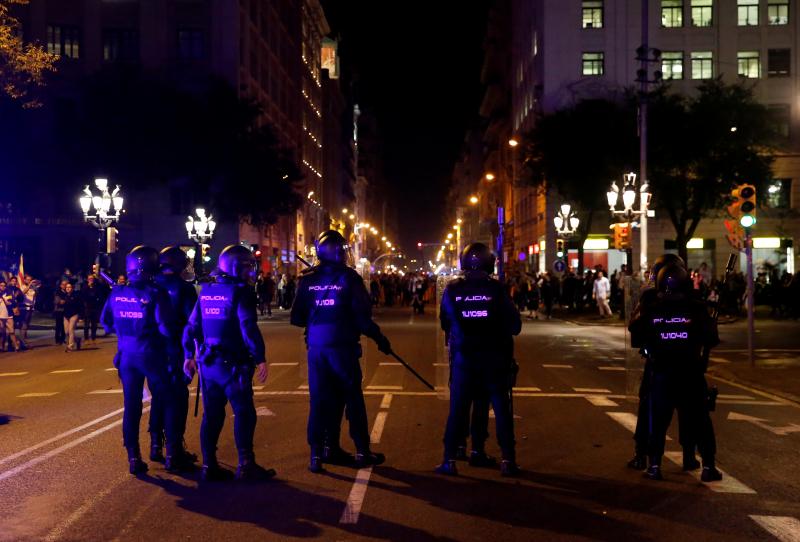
<point x="325" y="302"/>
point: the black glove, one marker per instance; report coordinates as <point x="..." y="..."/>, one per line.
<point x="383" y="345"/>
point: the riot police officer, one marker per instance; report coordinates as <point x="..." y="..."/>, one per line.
<point x="674" y="329"/>
<point x="183" y="296"/>
<point x="231" y="349"/>
<point x="141" y="316"/>
<point x="480" y="320"/>
<point x="334" y="306"/>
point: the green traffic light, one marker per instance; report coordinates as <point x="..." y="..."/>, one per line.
<point x="747" y="221"/>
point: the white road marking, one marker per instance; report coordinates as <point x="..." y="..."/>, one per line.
<point x="390" y="364"/>
<point x="599" y="400"/>
<point x="386" y="402"/>
<point x="302" y="387"/>
<point x="264" y="411"/>
<point x="66" y="371"/>
<point x="726" y="396"/>
<point x="611" y="368"/>
<point x="103" y="392"/>
<point x="746" y="402"/>
<point x="378" y="387"/>
<point x="52" y="453"/>
<point x="755" y="391"/>
<point x="716" y="359"/>
<point x="592" y="390"/>
<point x="516" y="389"/>
<point x="441" y="365"/>
<point x="258" y="388"/>
<point x="761" y="422"/>
<point x="287" y="364"/>
<point x="355" y="500"/>
<point x="110" y="369"/>
<point x="60" y="436"/>
<point x="377" y="428"/>
<point x="39" y="394"/>
<point x="14" y="374"/>
<point x="626" y="420"/>
<point x="784" y="528"/>
<point x="728" y="484"/>
<point x="556" y="366"/>
<point x="492" y="416"/>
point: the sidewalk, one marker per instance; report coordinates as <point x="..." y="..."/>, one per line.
<point x="780" y="377"/>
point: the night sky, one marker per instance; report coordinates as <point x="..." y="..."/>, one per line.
<point x="418" y="67"/>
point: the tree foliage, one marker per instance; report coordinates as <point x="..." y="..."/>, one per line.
<point x="23" y="66"/>
<point x="700" y="146"/>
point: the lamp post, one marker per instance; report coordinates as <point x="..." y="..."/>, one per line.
<point x="200" y="230"/>
<point x="629" y="193"/>
<point x="102" y="211"/>
<point x="566" y="222"/>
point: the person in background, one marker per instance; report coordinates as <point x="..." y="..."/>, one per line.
<point x="92" y="298"/>
<point x="121" y="280"/>
<point x="58" y="310"/>
<point x="73" y="306"/>
<point x="30" y="288"/>
<point x="7" y="305"/>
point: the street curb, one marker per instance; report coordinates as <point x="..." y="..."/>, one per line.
<point x="617" y="323"/>
<point x="725" y="375"/>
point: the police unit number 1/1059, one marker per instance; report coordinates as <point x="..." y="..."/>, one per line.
<point x="325" y="302"/>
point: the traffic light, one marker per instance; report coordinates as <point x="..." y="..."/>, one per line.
<point x="205" y="250"/>
<point x="622" y="236"/>
<point x="743" y="208"/>
<point x="256" y="250"/>
<point x="735" y="234"/>
<point x="559" y="248"/>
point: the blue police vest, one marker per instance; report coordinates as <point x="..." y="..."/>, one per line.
<point x="478" y="315"/>
<point x="135" y="323"/>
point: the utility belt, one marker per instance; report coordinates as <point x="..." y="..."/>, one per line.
<point x="211" y="354"/>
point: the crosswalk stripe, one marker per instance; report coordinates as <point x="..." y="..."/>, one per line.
<point x="282" y="364"/>
<point x="386" y="402"/>
<point x="379" y="387"/>
<point x="14" y="374"/>
<point x="39" y="394"/>
<point x="110" y="369"/>
<point x="727" y="396"/>
<point x="592" y="390"/>
<point x="103" y="392"/>
<point x="784" y="528"/>
<point x="519" y="388"/>
<point x="302" y="387"/>
<point x="728" y="484"/>
<point x="599" y="400"/>
<point x="626" y="420"/>
<point x="66" y="371"/>
<point x="390" y="364"/>
<point x="611" y="368"/>
<point x="556" y="366"/>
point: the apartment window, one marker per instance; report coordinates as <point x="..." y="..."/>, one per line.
<point x="779" y="194"/>
<point x="671" y="13"/>
<point x="120" y="45"/>
<point x="778" y="12"/>
<point x="778" y="62"/>
<point x="191" y="44"/>
<point x="592" y="13"/>
<point x="672" y="65"/>
<point x="702" y="65"/>
<point x="64" y="41"/>
<point x="747" y="12"/>
<point x="749" y="64"/>
<point x="780" y="117"/>
<point x="593" y="63"/>
<point x="702" y="12"/>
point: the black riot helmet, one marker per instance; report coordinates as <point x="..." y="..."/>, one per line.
<point x="173" y="259"/>
<point x="141" y="263"/>
<point x="672" y="279"/>
<point x="331" y="247"/>
<point x="663" y="261"/>
<point x="237" y="261"/>
<point x="477" y="257"/>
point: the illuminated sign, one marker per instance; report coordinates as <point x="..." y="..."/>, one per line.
<point x="330" y="57"/>
<point x="695" y="243"/>
<point x="595" y="244"/>
<point x="530" y="250"/>
<point x="536" y="249"/>
<point x="766" y="242"/>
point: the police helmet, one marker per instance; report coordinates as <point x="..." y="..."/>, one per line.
<point x="141" y="262"/>
<point x="173" y="259"/>
<point x="664" y="260"/>
<point x="477" y="257"/>
<point x="672" y="279"/>
<point x="331" y="247"/>
<point x="237" y="261"/>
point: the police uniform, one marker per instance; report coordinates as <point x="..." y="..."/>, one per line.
<point x="140" y="314"/>
<point x="224" y="325"/>
<point x="333" y="305"/>
<point x="674" y="329"/>
<point x="480" y="320"/>
<point x="183" y="298"/>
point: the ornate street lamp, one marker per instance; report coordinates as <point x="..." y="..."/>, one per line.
<point x="200" y="230"/>
<point x="628" y="198"/>
<point x="102" y="211"/>
<point x="566" y="221"/>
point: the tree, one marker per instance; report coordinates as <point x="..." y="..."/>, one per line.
<point x="578" y="151"/>
<point x="701" y="147"/>
<point x="23" y="67"/>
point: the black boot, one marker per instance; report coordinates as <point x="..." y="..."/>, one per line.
<point x="368" y="458"/>
<point x="479" y="458"/>
<point x="639" y="462"/>
<point x="135" y="464"/>
<point x="690" y="462"/>
<point x="212" y="472"/>
<point x="448" y="467"/>
<point x="653" y="472"/>
<point x="509" y="468"/>
<point x="250" y="471"/>
<point x="461" y="453"/>
<point x="710" y="472"/>
<point x="315" y="465"/>
<point x="178" y="460"/>
<point x="157" y="447"/>
<point x="335" y="455"/>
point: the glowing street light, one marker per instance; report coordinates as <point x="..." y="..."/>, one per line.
<point x="628" y="212"/>
<point x="102" y="211"/>
<point x="473" y="200"/>
<point x="489" y="176"/>
<point x="566" y="222"/>
<point x="513" y="142"/>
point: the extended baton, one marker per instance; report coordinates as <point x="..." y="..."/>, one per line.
<point x="199" y="382"/>
<point x="410" y="368"/>
<point x="302" y="260"/>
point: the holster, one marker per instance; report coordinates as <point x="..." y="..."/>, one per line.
<point x="513" y="371"/>
<point x="210" y="354"/>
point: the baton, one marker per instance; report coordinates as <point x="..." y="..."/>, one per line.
<point x="410" y="368"/>
<point x="199" y="382"/>
<point x="303" y="260"/>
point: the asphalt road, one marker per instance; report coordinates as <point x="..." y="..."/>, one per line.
<point x="63" y="473"/>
